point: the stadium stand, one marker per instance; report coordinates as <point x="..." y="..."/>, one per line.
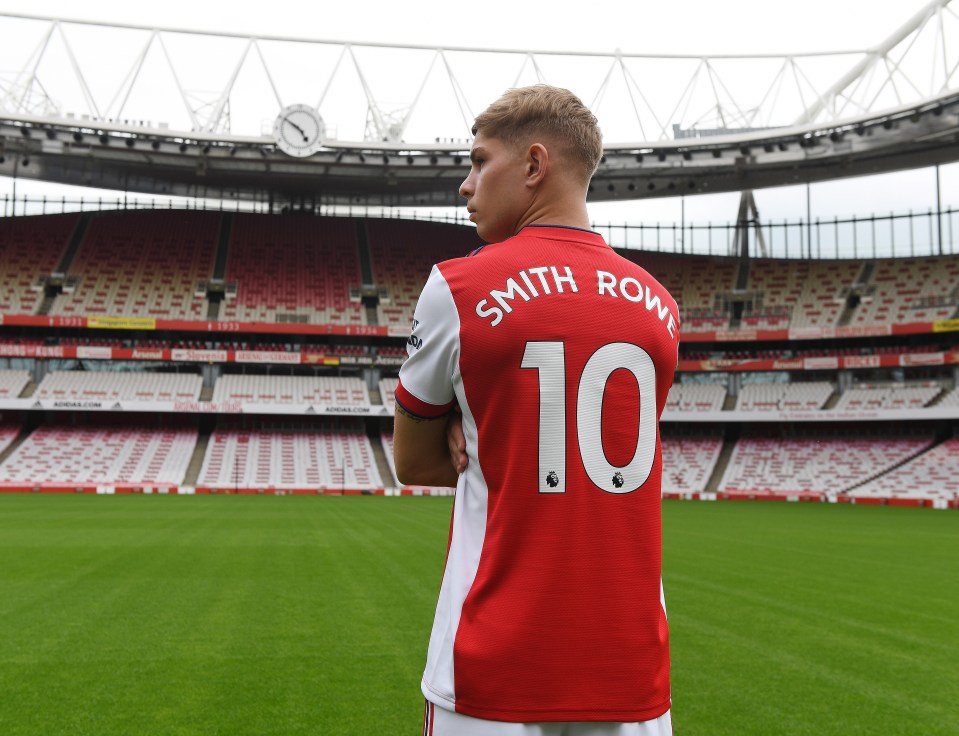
<point x="303" y="269"/>
<point x="326" y="390"/>
<point x="688" y="462"/>
<point x="934" y="474"/>
<point x="777" y="287"/>
<point x="72" y="455"/>
<point x="888" y="396"/>
<point x="784" y="396"/>
<point x="696" y="397"/>
<point x="906" y="290"/>
<point x="814" y="465"/>
<point x="12" y="383"/>
<point x="30" y="249"/>
<point x="695" y="282"/>
<point x="799" y="293"/>
<point x="293" y="268"/>
<point x="109" y="385"/>
<point x="402" y="255"/>
<point x="331" y="459"/>
<point x="822" y="299"/>
<point x="142" y="264"/>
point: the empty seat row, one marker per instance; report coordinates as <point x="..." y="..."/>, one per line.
<point x="888" y="396"/>
<point x="117" y="386"/>
<point x="810" y="395"/>
<point x="142" y="264"/>
<point x="294" y="459"/>
<point x="332" y="390"/>
<point x="815" y="465"/>
<point x="929" y="475"/>
<point x="62" y="454"/>
<point x="696" y="397"/>
<point x="689" y="462"/>
<point x="30" y="249"/>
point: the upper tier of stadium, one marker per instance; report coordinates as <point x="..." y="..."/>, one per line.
<point x="677" y="124"/>
<point x="195" y="266"/>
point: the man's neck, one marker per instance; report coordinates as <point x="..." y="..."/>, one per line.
<point x="568" y="212"/>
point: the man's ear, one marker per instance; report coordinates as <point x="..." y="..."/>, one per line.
<point x="537" y="164"/>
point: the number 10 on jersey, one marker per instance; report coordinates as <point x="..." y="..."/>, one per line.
<point x="549" y="359"/>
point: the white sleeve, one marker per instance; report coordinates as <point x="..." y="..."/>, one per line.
<point x="426" y="378"/>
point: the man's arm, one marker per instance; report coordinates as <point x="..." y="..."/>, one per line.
<point x="423" y="449"/>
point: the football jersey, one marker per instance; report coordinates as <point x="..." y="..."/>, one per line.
<point x="560" y="354"/>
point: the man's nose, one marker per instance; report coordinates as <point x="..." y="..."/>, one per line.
<point x="466" y="188"/>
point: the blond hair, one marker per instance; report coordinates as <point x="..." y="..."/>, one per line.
<point x="555" y="113"/>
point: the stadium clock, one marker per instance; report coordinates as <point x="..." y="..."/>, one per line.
<point x="299" y="130"/>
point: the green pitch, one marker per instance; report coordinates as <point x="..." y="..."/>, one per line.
<point x="306" y="615"/>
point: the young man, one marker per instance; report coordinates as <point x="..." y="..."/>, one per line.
<point x="537" y="372"/>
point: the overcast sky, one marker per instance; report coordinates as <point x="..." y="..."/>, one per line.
<point x="638" y="26"/>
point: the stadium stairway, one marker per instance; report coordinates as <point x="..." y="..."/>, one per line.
<point x="74" y="244"/>
<point x="12" y="447"/>
<point x="382" y="464"/>
<point x="366" y="271"/>
<point x="379" y="453"/>
<point x="845" y="316"/>
<point x="363" y="251"/>
<point x="729" y="444"/>
<point x="196" y="460"/>
<point x="220" y="261"/>
<point x="46" y="305"/>
<point x="946" y="390"/>
<point x="849" y="309"/>
<point x="851" y="491"/>
<point x="222" y="246"/>
<point x="831" y="401"/>
<point x="66" y="260"/>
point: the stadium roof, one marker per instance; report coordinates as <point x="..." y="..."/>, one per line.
<point x="689" y="124"/>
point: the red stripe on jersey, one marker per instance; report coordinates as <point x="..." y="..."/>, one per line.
<point x="419" y="408"/>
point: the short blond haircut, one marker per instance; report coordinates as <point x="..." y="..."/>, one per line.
<point x="554" y="113"/>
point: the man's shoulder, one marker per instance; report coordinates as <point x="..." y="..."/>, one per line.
<point x="476" y="258"/>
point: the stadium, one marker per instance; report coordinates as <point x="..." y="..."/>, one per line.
<point x="222" y="310"/>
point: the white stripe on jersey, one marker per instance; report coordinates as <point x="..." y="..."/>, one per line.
<point x="468" y="534"/>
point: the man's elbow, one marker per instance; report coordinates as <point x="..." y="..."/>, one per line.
<point x="405" y="473"/>
<point x="419" y="473"/>
<point x="409" y="471"/>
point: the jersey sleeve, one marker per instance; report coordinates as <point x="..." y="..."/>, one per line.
<point x="426" y="378"/>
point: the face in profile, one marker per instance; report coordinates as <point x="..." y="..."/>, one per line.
<point x="495" y="189"/>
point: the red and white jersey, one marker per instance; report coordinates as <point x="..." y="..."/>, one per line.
<point x="560" y="354"/>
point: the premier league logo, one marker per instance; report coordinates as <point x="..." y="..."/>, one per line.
<point x="552" y="480"/>
<point x="618" y="480"/>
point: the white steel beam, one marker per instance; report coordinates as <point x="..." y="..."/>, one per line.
<point x="898" y="36"/>
<point x="893" y="72"/>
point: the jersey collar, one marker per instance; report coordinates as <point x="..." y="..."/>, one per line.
<point x="562" y="232"/>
